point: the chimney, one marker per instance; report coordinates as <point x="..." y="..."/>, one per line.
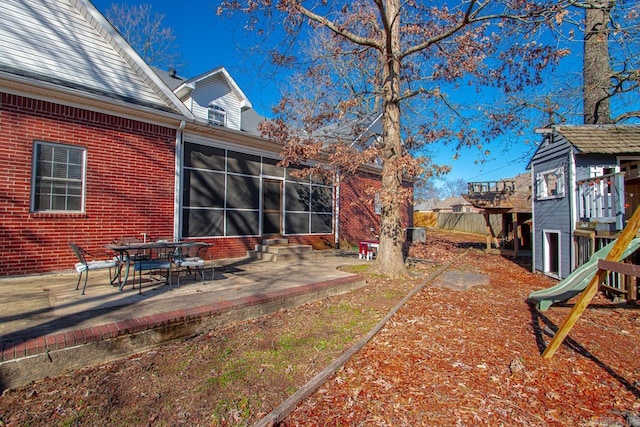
<point x="172" y="72"/>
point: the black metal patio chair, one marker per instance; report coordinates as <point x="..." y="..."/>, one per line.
<point x="85" y="265"/>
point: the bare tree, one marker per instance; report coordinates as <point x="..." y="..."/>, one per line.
<point x="453" y="188"/>
<point x="429" y="58"/>
<point x="145" y="32"/>
<point x="611" y="70"/>
<point x="596" y="69"/>
<point x="605" y="88"/>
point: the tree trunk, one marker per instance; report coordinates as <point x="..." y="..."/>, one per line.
<point x="390" y="259"/>
<point x="596" y="67"/>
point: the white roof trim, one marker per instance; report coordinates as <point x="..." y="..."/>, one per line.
<point x="111" y="35"/>
<point x="50" y="92"/>
<point x="189" y="85"/>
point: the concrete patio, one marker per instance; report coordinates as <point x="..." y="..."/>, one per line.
<point x="48" y="327"/>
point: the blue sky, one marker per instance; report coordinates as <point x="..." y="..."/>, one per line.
<point x="207" y="41"/>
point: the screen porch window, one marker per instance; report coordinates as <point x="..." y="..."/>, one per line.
<point x="228" y="193"/>
<point x="58" y="178"/>
<point x="308" y="204"/>
<point x="217" y="115"/>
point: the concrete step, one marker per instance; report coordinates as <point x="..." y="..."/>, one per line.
<point x="289" y="249"/>
<point x="275" y="241"/>
<point x="283" y="249"/>
<point x="282" y="252"/>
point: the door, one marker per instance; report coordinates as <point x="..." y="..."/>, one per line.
<point x="552" y="253"/>
<point x="271" y="206"/>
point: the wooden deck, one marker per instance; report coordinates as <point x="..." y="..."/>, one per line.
<point x="510" y="198"/>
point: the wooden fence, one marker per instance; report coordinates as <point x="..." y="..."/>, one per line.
<point x="465" y="222"/>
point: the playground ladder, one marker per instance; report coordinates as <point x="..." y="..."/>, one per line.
<point x="619" y="246"/>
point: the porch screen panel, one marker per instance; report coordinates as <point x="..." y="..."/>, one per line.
<point x="322" y="223"/>
<point x="297" y="197"/>
<point x="296" y="223"/>
<point x="290" y="174"/>
<point x="204" y="157"/>
<point x="308" y="206"/>
<point x="203" y="189"/>
<point x="246" y="164"/>
<point x="321" y="210"/>
<point x="243" y="192"/>
<point x="270" y="168"/>
<point x="203" y="222"/>
<point x="271" y="198"/>
<point x="222" y="195"/>
<point x="243" y="223"/>
<point x="322" y="199"/>
<point x="271" y="223"/>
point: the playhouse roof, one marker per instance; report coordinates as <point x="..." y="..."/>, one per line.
<point x="605" y="139"/>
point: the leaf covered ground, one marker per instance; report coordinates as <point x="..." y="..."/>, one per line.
<point x="448" y="357"/>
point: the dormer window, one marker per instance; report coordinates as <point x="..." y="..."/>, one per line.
<point x="217" y="115"/>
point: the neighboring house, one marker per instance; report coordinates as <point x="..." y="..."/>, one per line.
<point x="455" y="205"/>
<point x="586" y="184"/>
<point x="425" y="205"/>
<point x="96" y="145"/>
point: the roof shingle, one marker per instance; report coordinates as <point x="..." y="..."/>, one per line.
<point x="605" y="139"/>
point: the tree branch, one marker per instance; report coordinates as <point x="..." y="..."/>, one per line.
<point x="364" y="41"/>
<point x="627" y="116"/>
<point x="465" y="21"/>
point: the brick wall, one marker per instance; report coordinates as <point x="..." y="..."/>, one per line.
<point x="129" y="189"/>
<point x="129" y="183"/>
<point x="357" y="214"/>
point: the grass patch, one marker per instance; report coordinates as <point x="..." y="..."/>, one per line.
<point x="230" y="376"/>
<point x="356" y="269"/>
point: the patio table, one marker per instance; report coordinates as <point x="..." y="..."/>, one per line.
<point x="127" y="252"/>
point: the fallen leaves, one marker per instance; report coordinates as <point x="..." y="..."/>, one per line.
<point x="448" y="357"/>
<point x="473" y="358"/>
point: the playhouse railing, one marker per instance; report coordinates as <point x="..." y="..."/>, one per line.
<point x="601" y="200"/>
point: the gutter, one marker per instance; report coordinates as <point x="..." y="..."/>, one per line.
<point x="50" y="92"/>
<point x="177" y="199"/>
<point x="573" y="208"/>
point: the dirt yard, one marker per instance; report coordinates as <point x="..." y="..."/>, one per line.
<point x="455" y="354"/>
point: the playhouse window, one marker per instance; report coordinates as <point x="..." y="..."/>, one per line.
<point x="550" y="184"/>
<point x="58" y="178"/>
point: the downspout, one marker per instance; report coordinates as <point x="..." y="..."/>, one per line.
<point x="177" y="193"/>
<point x="337" y="219"/>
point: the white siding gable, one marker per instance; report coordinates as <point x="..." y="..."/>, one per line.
<point x="68" y="43"/>
<point x="216" y="90"/>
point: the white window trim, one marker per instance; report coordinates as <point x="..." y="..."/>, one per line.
<point x="596" y="171"/>
<point x="542" y="190"/>
<point x="34" y="177"/>
<point x="546" y="253"/>
<point x="215" y="110"/>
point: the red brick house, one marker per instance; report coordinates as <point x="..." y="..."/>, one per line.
<point x="96" y="145"/>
